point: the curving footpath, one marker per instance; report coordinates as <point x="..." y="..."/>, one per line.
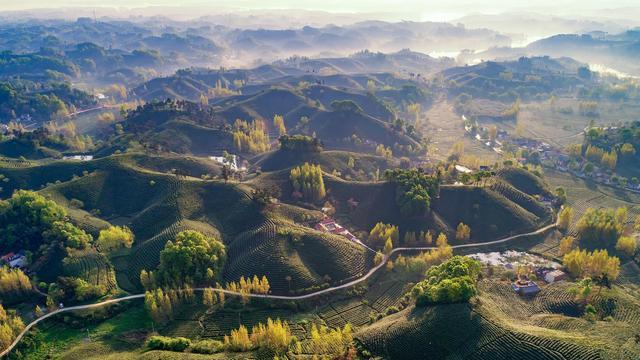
<point x="279" y="297"/>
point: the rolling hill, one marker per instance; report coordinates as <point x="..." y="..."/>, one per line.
<point x="491" y="215"/>
<point x="135" y="191"/>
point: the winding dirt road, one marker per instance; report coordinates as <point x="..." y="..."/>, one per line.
<point x="279" y="297"/>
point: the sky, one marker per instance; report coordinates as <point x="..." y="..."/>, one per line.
<point x="433" y="10"/>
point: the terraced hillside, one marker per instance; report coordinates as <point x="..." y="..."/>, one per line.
<point x="364" y="165"/>
<point x="368" y="102"/>
<point x="131" y="190"/>
<point x="295" y="257"/>
<point x="524" y="181"/>
<point x="265" y="104"/>
<point x="336" y="129"/>
<point x="458" y="331"/>
<point x="489" y="213"/>
<point x="23" y="174"/>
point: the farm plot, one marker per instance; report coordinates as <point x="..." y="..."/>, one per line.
<point x="220" y="323"/>
<point x="93" y="267"/>
<point x="353" y="311"/>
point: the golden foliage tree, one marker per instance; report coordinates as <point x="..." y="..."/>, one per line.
<point x="381" y="232"/>
<point x="383" y="151"/>
<point x="278" y="122"/>
<point x="627" y="245"/>
<point x="251" y="137"/>
<point x="564" y="218"/>
<point x="275" y="336"/>
<point x="566" y="243"/>
<point x="13" y="283"/>
<point x="332" y="342"/>
<point x="463" y="232"/>
<point x="388" y="246"/>
<point x="10" y="326"/>
<point x="238" y="340"/>
<point x="307" y="180"/>
<point x="420" y="263"/>
<point x="581" y="263"/>
<point x="115" y="237"/>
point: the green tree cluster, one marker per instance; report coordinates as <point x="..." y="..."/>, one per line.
<point x="191" y="259"/>
<point x="450" y="282"/>
<point x="414" y="190"/>
<point x="25" y="218"/>
<point x="68" y="288"/>
<point x="68" y="234"/>
<point x="178" y="344"/>
<point x="300" y="143"/>
<point x="307" y="180"/>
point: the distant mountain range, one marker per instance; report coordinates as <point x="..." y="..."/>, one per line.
<point x="615" y="51"/>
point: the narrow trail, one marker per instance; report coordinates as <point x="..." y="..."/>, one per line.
<point x="279" y="297"/>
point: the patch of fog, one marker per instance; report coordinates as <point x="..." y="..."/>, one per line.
<point x="609" y="71"/>
<point x="439" y="54"/>
<point x="511" y="259"/>
<point x="525" y="40"/>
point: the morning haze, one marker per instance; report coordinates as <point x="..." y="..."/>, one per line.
<point x="327" y="180"/>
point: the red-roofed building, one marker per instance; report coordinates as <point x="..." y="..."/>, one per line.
<point x="331" y="226"/>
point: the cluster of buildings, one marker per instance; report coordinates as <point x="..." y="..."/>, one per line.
<point x="230" y="160"/>
<point x="329" y="225"/>
<point x="14" y="260"/>
<point x="78" y="157"/>
<point x="480" y="134"/>
<point x="526" y="287"/>
<point x="557" y="159"/>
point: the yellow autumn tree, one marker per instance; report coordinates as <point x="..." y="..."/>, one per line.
<point x="251" y="137"/>
<point x="463" y="232"/>
<point x="278" y="122"/>
<point x="564" y="218"/>
<point x="307" y="181"/>
<point x="566" y="243"/>
<point x="581" y="263"/>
